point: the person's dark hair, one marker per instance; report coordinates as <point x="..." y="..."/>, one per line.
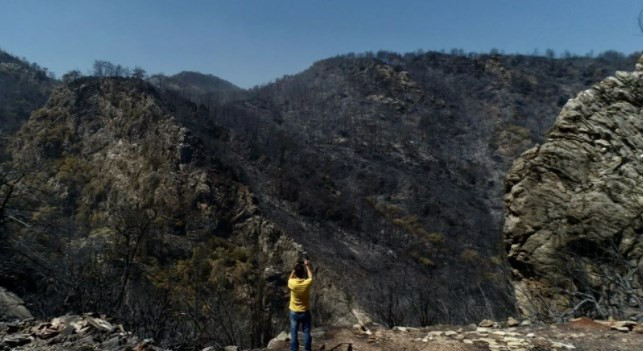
<point x="300" y="270"/>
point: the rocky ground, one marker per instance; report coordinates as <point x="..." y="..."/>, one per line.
<point x="580" y="334"/>
<point x="70" y="333"/>
<point x="90" y="332"/>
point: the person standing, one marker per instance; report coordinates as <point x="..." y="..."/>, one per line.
<point x="299" y="282"/>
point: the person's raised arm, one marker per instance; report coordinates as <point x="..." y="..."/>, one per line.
<point x="308" y="269"/>
<point x="292" y="275"/>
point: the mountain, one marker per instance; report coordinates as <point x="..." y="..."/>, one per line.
<point x="121" y="209"/>
<point x="23" y="88"/>
<point x="183" y="218"/>
<point x="573" y="226"/>
<point x="391" y="166"/>
<point x="202" y="88"/>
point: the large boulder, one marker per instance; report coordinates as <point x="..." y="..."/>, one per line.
<point x="574" y="208"/>
<point x="12" y="307"/>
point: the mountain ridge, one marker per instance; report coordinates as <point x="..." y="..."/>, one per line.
<point x="386" y="170"/>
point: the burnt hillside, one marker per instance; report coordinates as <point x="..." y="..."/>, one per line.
<point x="403" y="155"/>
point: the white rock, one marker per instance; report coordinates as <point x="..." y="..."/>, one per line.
<point x="278" y="341"/>
<point x="560" y="345"/>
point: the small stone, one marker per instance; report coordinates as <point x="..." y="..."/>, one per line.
<point x="531" y="335"/>
<point x="231" y="348"/>
<point x="624" y="324"/>
<point x="450" y="333"/>
<point x="66" y="320"/>
<point x="100" y="324"/>
<point x="47" y="333"/>
<point x="359" y="328"/>
<point x="467" y="341"/>
<point x="112" y="343"/>
<point x="560" y="345"/>
<point x="12" y="306"/>
<point x="17" y="340"/>
<point x="487" y="340"/>
<point x="486" y="323"/>
<point x="525" y="323"/>
<point x="512" y="322"/>
<point x="278" y="341"/>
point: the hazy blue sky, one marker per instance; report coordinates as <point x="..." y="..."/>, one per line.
<point x="251" y="42"/>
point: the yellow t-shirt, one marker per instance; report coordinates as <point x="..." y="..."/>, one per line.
<point x="299" y="294"/>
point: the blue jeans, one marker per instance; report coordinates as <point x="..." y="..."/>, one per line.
<point x="297" y="318"/>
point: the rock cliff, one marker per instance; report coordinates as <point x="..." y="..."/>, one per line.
<point x="574" y="208"/>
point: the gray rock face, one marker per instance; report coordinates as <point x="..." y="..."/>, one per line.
<point x="574" y="207"/>
<point x="11" y="306"/>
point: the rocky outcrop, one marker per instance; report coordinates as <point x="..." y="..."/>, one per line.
<point x="12" y="307"/>
<point x="574" y="207"/>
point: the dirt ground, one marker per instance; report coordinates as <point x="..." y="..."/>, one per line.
<point x="583" y="335"/>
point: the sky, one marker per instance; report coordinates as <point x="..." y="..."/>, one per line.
<point x="250" y="42"/>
